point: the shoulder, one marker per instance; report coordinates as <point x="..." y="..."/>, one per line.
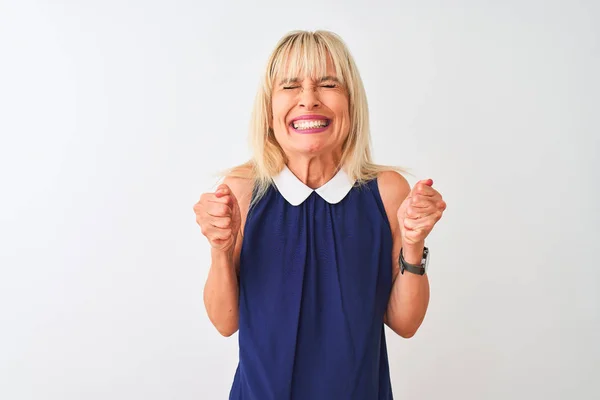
<point x="241" y="182"/>
<point x="393" y="188"/>
<point x="392" y="185"/>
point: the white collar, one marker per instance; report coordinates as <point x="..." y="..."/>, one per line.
<point x="295" y="191"/>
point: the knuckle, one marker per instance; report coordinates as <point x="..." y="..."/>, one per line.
<point x="204" y="197"/>
<point x="223" y="222"/>
<point x="218" y="210"/>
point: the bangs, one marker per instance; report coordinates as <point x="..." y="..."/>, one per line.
<point x="304" y="55"/>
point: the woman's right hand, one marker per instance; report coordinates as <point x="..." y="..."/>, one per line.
<point x="218" y="215"/>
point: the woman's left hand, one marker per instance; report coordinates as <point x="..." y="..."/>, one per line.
<point x="419" y="212"/>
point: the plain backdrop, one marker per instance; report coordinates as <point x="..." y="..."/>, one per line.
<point x="115" y="117"/>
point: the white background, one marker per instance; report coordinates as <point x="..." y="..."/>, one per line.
<point x="115" y="116"/>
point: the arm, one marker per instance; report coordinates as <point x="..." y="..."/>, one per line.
<point x="221" y="293"/>
<point x="224" y="231"/>
<point x="409" y="297"/>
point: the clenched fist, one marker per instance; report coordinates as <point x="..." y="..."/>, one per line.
<point x="419" y="212"/>
<point x="218" y="215"/>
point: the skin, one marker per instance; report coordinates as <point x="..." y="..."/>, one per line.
<point x="221" y="216"/>
<point x="313" y="158"/>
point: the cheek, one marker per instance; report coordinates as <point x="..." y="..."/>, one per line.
<point x="280" y="108"/>
<point x="343" y="115"/>
<point x="338" y="103"/>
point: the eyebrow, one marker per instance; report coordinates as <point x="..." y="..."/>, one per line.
<point x="323" y="79"/>
<point x="329" y="78"/>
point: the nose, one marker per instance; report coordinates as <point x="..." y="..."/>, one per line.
<point x="309" y="99"/>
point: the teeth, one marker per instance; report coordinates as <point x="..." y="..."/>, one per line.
<point x="307" y="124"/>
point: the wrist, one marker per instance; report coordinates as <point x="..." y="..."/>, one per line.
<point x="222" y="257"/>
<point x="413" y="253"/>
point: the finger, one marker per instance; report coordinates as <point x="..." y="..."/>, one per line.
<point x="441" y="205"/>
<point x="219" y="222"/>
<point x="421" y="201"/>
<point x="413" y="227"/>
<point x="218" y="243"/>
<point x="419" y="212"/>
<point x="211" y="197"/>
<point x="224" y="199"/>
<point x="214" y="233"/>
<point x="410" y="224"/>
<point x="425" y="223"/>
<point x="222" y="190"/>
<point x="414" y="236"/>
<point x="225" y="192"/>
<point x="424" y="189"/>
<point x="218" y="209"/>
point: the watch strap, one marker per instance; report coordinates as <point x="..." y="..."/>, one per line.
<point x="418" y="269"/>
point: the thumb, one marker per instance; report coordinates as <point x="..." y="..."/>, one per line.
<point x="428" y="182"/>
<point x="222" y="190"/>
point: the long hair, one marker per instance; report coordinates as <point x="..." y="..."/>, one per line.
<point x="307" y="52"/>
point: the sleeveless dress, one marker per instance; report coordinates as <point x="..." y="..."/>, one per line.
<point x="315" y="280"/>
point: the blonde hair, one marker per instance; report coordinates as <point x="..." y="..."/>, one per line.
<point x="304" y="51"/>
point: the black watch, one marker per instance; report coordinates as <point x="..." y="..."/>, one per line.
<point x="419" y="269"/>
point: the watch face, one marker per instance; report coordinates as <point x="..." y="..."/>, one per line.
<point x="426" y="260"/>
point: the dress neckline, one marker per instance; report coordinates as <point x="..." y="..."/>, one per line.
<point x="295" y="192"/>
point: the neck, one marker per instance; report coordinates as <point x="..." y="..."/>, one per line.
<point x="314" y="172"/>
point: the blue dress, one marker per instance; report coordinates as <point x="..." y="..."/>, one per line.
<point x="315" y="280"/>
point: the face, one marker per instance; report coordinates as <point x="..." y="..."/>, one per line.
<point x="310" y="115"/>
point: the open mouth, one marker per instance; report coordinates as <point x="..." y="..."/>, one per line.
<point x="310" y="124"/>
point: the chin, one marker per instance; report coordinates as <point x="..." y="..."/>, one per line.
<point x="307" y="143"/>
<point x="311" y="144"/>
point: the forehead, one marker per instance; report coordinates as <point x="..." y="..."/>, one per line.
<point x="301" y="63"/>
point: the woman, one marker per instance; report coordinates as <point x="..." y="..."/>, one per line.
<point x="306" y="238"/>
